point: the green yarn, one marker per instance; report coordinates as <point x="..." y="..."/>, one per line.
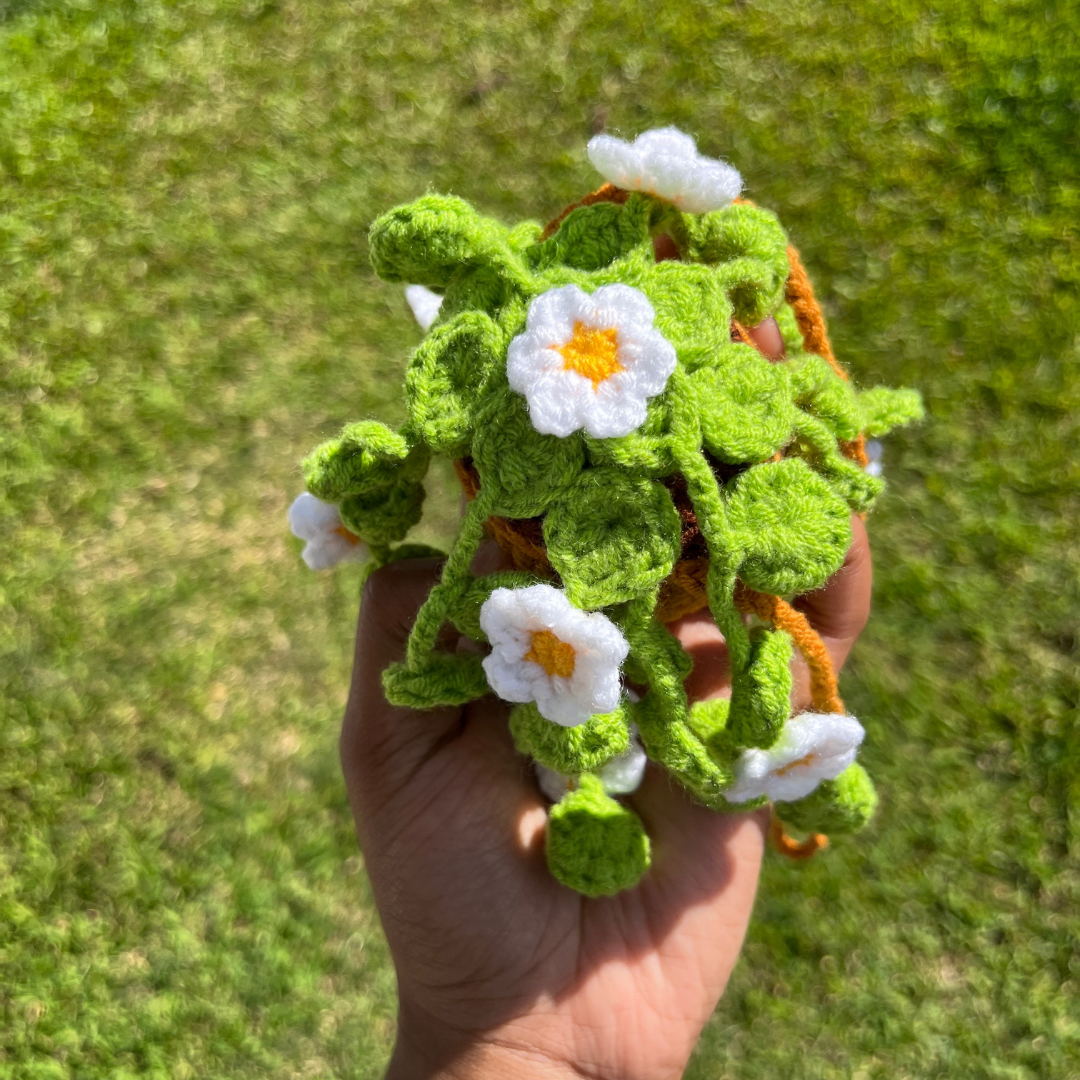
<point x="843" y="805"/>
<point x="795" y="530"/>
<point x="757" y="443"/>
<point x="522" y="470"/>
<point x="611" y="537"/>
<point x="441" y="679"/>
<point x="365" y="456"/>
<point x="570" y="750"/>
<point x="446" y="376"/>
<point x="744" y="403"/>
<point x="761" y="695"/>
<point x="708" y="719"/>
<point x="819" y="390"/>
<point x="853" y="484"/>
<point x="749" y="248"/>
<point x="385" y="515"/>
<point x="881" y="409"/>
<point x="465" y="610"/>
<point x="595" y="846"/>
<point x="673" y="742"/>
<point x="647" y="451"/>
<point x="593" y="237"/>
<point x="428" y="241"/>
<point x="691" y="304"/>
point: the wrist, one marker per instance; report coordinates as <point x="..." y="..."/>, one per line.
<point x="424" y="1050"/>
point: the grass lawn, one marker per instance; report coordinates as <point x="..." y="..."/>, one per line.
<point x="186" y="307"/>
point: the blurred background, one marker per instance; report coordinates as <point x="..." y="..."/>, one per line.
<point x="186" y="307"/>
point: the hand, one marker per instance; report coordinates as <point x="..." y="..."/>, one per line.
<point x="503" y="972"/>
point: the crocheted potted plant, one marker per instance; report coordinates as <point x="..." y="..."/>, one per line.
<point x="618" y="433"/>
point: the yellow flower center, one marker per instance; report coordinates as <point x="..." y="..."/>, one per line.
<point x="807" y="759"/>
<point x="552" y="654"/>
<point x="592" y="353"/>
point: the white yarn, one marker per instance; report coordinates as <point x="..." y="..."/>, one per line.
<point x="874" y="453"/>
<point x="622" y="775"/>
<point x="510" y="617"/>
<point x="666" y="162"/>
<point x="811" y="748"/>
<point x="328" y="541"/>
<point x="424" y="303"/>
<point x="561" y="400"/>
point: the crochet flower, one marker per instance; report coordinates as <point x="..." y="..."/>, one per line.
<point x="544" y="649"/>
<point x="589" y="362"/>
<point x="328" y="541"/>
<point x="424" y="304"/>
<point x="811" y="748"/>
<point x="665" y="162"/>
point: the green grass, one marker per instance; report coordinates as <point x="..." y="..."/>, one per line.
<point x="186" y="307"/>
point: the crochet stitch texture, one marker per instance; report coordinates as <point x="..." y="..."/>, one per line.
<point x="620" y="436"/>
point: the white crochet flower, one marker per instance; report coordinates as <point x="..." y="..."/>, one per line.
<point x="811" y="748"/>
<point x="589" y="362"/>
<point x="665" y="162"/>
<point x="544" y="649"/>
<point x="622" y="775"/>
<point x="424" y="303"/>
<point x="328" y="541"/>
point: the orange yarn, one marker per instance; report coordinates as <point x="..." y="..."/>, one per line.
<point x="793" y="849"/>
<point x="740" y="333"/>
<point x="781" y="615"/>
<point x="799" y="293"/>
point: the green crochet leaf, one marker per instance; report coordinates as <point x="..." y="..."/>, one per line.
<point x="611" y="537"/>
<point x="592" y="237"/>
<point x="881" y="409"/>
<point x="795" y="531"/>
<point x="465" y="611"/>
<point x="445" y="379"/>
<point x="595" y="845"/>
<point x="481" y="289"/>
<point x="443" y="679"/>
<point x="691" y="304"/>
<point x="843" y="805"/>
<point x="821" y="391"/>
<point x="365" y="456"/>
<point x="647" y="452"/>
<point x="708" y="719"/>
<point x="749" y="249"/>
<point x="429" y="240"/>
<point x="853" y="483"/>
<point x="385" y="515"/>
<point x="743" y="403"/>
<point x="521" y="471"/>
<point x="673" y="743"/>
<point x="761" y="695"/>
<point x="570" y="750"/>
